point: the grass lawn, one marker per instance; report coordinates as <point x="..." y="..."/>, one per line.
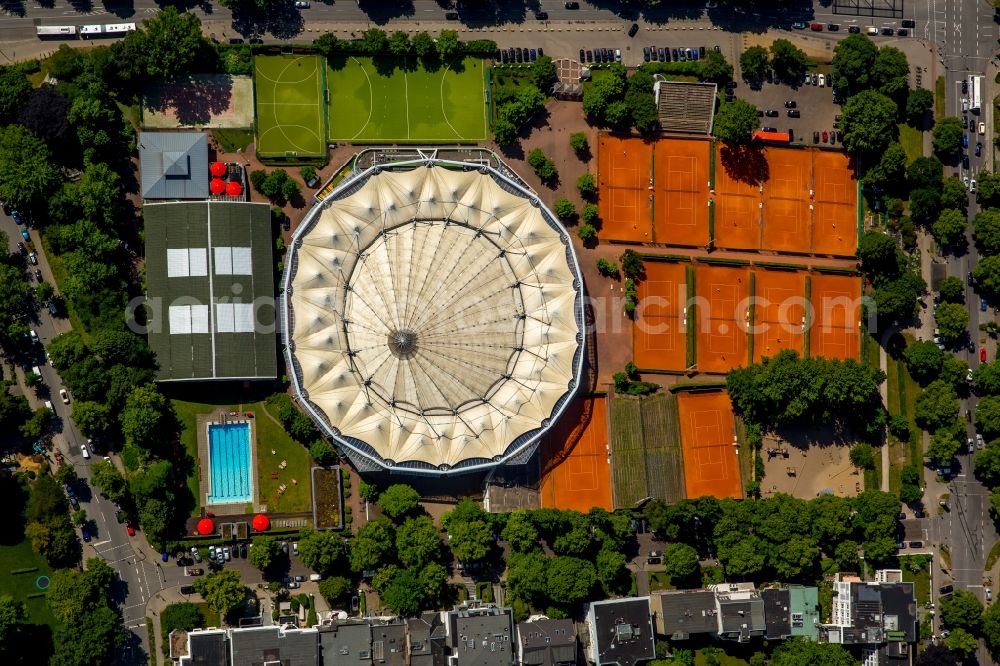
<point x="290" y="105"/>
<point x="209" y="619"/>
<point x="60" y="275"/>
<point x="270" y="435"/>
<point x="659" y="580"/>
<point x="901" y="393"/>
<point x="992" y="557"/>
<point x="232" y="140"/>
<point x="20" y="586"/>
<point x="391" y="99"/>
<point x="912" y="140"/>
<point x="921" y="584"/>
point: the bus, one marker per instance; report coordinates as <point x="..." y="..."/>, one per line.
<point x="44" y="31"/>
<point x="87" y="31"/>
<point x="118" y="28"/>
<point x="975" y="92"/>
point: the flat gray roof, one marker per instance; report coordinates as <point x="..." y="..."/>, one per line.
<point x="173" y="165"/>
<point x="210" y="285"/>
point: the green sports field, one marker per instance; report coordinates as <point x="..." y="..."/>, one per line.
<point x="397" y="100"/>
<point x="289" y="96"/>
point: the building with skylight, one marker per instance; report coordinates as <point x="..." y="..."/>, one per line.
<point x="210" y="290"/>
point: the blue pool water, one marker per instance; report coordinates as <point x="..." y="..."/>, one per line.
<point x="230" y="476"/>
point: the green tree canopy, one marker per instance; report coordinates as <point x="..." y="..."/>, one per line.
<point x="755" y="63"/>
<point x="944" y="447"/>
<point x="223" y="591"/>
<point x="854" y="62"/>
<point x="947" y="136"/>
<point x="890" y="171"/>
<point x="925" y="172"/>
<point x="863" y="456"/>
<point x="988" y="416"/>
<point x="924" y="360"/>
<point x="170" y="44"/>
<point x="322" y="551"/>
<point x="735" y="122"/>
<point x="991" y="628"/>
<point x="374" y="41"/>
<point x="949" y="229"/>
<point x="448" y="44"/>
<point x="520" y="533"/>
<point x="951" y="289"/>
<point x="788" y="61"/>
<point x="418" y="542"/>
<point x="12" y="614"/>
<point x="264" y="552"/>
<point x="962" y="611"/>
<point x="14" y="91"/>
<point x="891" y="72"/>
<point x="880" y="256"/>
<point x="398" y="500"/>
<point x="543" y="72"/>
<point x="952" y="319"/>
<point x="109" y="481"/>
<point x="869" y="122"/>
<point x="680" y="560"/>
<point x="986" y="230"/>
<point x="986" y="377"/>
<point x="919" y="102"/>
<point x="373" y="545"/>
<point x="936" y="406"/>
<point x="925" y="205"/>
<point x="954" y="195"/>
<point x="799" y="651"/>
<point x="336" y="589"/>
<point x="962" y="643"/>
<point x="570" y="580"/>
<point x="27" y="172"/>
<point x="470" y="531"/>
<point x="988" y="189"/>
<point x="987" y="276"/>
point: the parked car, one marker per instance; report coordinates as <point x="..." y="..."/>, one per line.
<point x="982" y="354"/>
<point x="243" y="550"/>
<point x="542" y="16"/>
<point x="188" y="589"/>
<point x="633" y="29"/>
<point x="972" y="185"/>
<point x="815" y="136"/>
<point x="816" y="27"/>
<point x="645" y="53"/>
<point x="909" y="23"/>
<point x="903" y="32"/>
<point x="989" y="594"/>
<point x="662" y="54"/>
<point x="979" y="148"/>
<point x="38" y="273"/>
<point x="790" y="104"/>
<point x="965" y="87"/>
<point x="534" y="54"/>
<point x="226" y="554"/>
<point x="916" y="544"/>
<point x="654" y="560"/>
<point x="965" y="140"/>
<point x="825" y="137"/>
<point x="771" y="113"/>
<point x="85" y="533"/>
<point x="798" y="25"/>
<point x="768" y="129"/>
<point x="451" y="16"/>
<point x="195" y="571"/>
<point x="982" y="127"/>
<point x="195" y="554"/>
<point x="871" y="30"/>
<point x="833" y="27"/>
<point x="946" y="589"/>
<point x="979" y="442"/>
<point x="164" y="556"/>
<point x="793" y="113"/>
<point x="301" y="4"/>
<point x="83" y="448"/>
<point x="571" y="5"/>
<point x="618" y="55"/>
<point x="965" y="161"/>
<point x="887" y="31"/>
<point x="295" y="547"/>
<point x="853" y="29"/>
<point x="822" y="80"/>
<point x="63" y="395"/>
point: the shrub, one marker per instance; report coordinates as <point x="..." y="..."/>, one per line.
<point x="607" y="268"/>
<point x="579" y="143"/>
<point x="587" y="185"/>
<point x="590" y="214"/>
<point x="564" y="209"/>
<point x="307" y="173"/>
<point x="586" y="232"/>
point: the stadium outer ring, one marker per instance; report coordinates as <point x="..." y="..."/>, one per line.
<point x="360" y="453"/>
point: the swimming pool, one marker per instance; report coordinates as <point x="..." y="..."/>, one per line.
<point x="230" y="476"/>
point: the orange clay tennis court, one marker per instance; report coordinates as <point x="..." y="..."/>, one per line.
<point x="708" y="445"/>
<point x="737" y="212"/>
<point x="835" y="218"/>
<point x="577" y="448"/>
<point x="659" y="337"/>
<point x="836" y="304"/>
<point x="723" y="298"/>
<point x="623" y="174"/>
<point x="786" y="200"/>
<point x="680" y="202"/>
<point x="779" y="300"/>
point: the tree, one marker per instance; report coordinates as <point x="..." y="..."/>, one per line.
<point x="109" y="481"/>
<point x="919" y="102"/>
<point x="735" y="122"/>
<point x="93" y="418"/>
<point x="323" y="452"/>
<point x="146" y="418"/>
<point x="398" y="500"/>
<point x="504" y="132"/>
<point x="924" y="360"/>
<point x="265" y="552"/>
<point x="223" y="591"/>
<point x="543" y="72"/>
<point x="988" y="190"/>
<point x="71" y="595"/>
<point x="947" y="137"/>
<point x="335" y="589"/>
<point x="632" y="266"/>
<point x="26" y="170"/>
<point x="321" y="551"/>
<point x="879" y="255"/>
<point x="962" y="611"/>
<point x="569" y="580"/>
<point x="889" y="173"/>
<point x="937" y="655"/>
<point x="869" y="122"/>
<point x="607" y="268"/>
<point x="403" y="593"/>
<point x="470" y="531"/>
<point x="418" y="542"/>
<point x="962" y="643"/>
<point x="183" y="615"/>
<point x="12" y="614"/>
<point x="171" y="43"/>
<point x="925" y="205"/>
<point x="788" y="61"/>
<point x="891" y="72"/>
<point x="936" y="406"/>
<point x="373" y="545"/>
<point x="954" y="195"/>
<point x="423" y="44"/>
<point x="949" y="229"/>
<point x="399" y="43"/>
<point x="156" y="518"/>
<point x="951" y="289"/>
<point x="986" y="230"/>
<point x="987" y="276"/>
<point x="45" y="114"/>
<point x="853" y="62"/>
<point x="14" y="91"/>
<point x="991" y="628"/>
<point x="988" y="416"/>
<point x="714" y="67"/>
<point x="564" y="209"/>
<point x="925" y="172"/>
<point x="755" y="63"/>
<point x="798" y="651"/>
<point x="680" y="560"/>
<point x="578" y="142"/>
<point x="520" y="533"/>
<point x="447" y="44"/>
<point x="952" y="319"/>
<point x="374" y="41"/>
<point x="944" y="447"/>
<point x="863" y="456"/>
<point x="586" y="184"/>
<point x="66" y="475"/>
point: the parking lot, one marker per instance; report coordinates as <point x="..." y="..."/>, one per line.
<point x="814" y="104"/>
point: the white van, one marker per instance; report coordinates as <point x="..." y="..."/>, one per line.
<point x="37" y="370"/>
<point x="315" y="577"/>
<point x="84" y="452"/>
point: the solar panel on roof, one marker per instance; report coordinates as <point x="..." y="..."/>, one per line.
<point x="243" y="317"/>
<point x="180" y="319"/>
<point x="224" y="318"/>
<point x="242" y="264"/>
<point x="223" y="261"/>
<point x="199" y="319"/>
<point x="198" y="261"/>
<point x="178" y="263"/>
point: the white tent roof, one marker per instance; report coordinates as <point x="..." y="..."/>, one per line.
<point x="434" y="315"/>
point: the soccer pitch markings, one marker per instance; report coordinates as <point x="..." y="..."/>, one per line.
<point x="289" y="105"/>
<point x="389" y="99"/>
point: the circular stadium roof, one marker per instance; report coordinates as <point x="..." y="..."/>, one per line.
<point x="433" y="316"/>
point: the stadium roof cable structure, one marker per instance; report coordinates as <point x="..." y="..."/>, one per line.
<point x="433" y="316"/>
